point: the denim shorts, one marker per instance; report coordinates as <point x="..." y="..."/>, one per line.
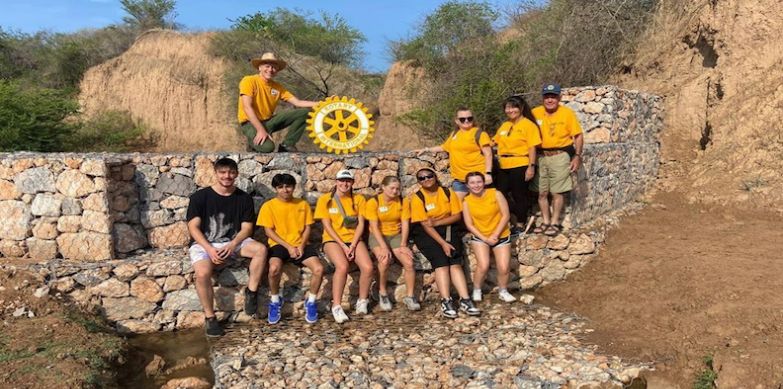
<point x="459" y="186"/>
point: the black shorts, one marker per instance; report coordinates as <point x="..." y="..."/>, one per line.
<point x="278" y="251"/>
<point x="432" y="250"/>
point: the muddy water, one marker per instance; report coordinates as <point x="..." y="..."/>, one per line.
<point x="186" y="354"/>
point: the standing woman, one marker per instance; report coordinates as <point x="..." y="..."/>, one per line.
<point x="469" y="148"/>
<point x="516" y="140"/>
<point x="390" y="220"/>
<point x="437" y="212"/>
<point x="486" y="215"/>
<point x="341" y="214"/>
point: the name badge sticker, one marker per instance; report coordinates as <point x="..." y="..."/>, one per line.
<point x="334" y="210"/>
<point x="429" y="207"/>
<point x="383" y="209"/>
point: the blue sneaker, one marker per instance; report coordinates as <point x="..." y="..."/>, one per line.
<point x="311" y="312"/>
<point x="274" y="312"/>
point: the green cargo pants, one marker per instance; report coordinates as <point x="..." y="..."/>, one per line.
<point x="294" y="119"/>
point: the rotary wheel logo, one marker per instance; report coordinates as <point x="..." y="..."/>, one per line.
<point x="340" y="125"/>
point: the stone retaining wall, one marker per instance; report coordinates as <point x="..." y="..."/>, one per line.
<point x="97" y="215"/>
<point x="155" y="291"/>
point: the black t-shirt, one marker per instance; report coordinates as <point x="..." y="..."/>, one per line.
<point x="221" y="216"/>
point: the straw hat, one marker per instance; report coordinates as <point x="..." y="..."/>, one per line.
<point x="271" y="58"/>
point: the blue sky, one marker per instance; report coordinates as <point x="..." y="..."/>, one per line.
<point x="380" y="20"/>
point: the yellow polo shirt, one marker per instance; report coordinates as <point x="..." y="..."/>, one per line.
<point x="514" y="141"/>
<point x="485" y="212"/>
<point x="557" y="129"/>
<point x="464" y="154"/>
<point x="435" y="206"/>
<point x="266" y="95"/>
<point x="390" y="215"/>
<point x="287" y="218"/>
<point x="326" y="208"/>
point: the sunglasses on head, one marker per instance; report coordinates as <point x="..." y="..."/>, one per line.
<point x="467" y="119"/>
<point x="422" y="178"/>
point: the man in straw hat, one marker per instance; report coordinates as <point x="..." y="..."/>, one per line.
<point x="258" y="98"/>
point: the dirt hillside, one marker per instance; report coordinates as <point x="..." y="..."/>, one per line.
<point x="719" y="63"/>
<point x="167" y="80"/>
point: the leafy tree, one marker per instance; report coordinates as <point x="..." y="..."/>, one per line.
<point x="452" y="26"/>
<point x="148" y="14"/>
<point x="316" y="49"/>
<point x="33" y="120"/>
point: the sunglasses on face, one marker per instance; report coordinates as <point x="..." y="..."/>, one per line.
<point x="424" y="178"/>
<point x="467" y="119"/>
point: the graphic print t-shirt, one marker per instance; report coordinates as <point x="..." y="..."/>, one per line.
<point x="221" y="216"/>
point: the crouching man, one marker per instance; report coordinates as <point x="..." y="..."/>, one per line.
<point x="220" y="221"/>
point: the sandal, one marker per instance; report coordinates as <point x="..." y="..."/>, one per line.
<point x="540" y="229"/>
<point x="553" y="230"/>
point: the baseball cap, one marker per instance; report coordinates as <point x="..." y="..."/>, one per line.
<point x="344" y="174"/>
<point x="550" y="89"/>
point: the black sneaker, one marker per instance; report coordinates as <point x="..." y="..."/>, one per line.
<point x="251" y="302"/>
<point x="467" y="306"/>
<point x="212" y="327"/>
<point x="286" y="149"/>
<point x="447" y="308"/>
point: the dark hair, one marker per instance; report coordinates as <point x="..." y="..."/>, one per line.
<point x="283" y="179"/>
<point x="518" y="101"/>
<point x="474" y="174"/>
<point x="462" y="108"/>
<point x="226" y="162"/>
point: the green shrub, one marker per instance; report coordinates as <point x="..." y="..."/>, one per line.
<point x="573" y="42"/>
<point x="34" y="119"/>
<point x="320" y="52"/>
<point x="111" y="131"/>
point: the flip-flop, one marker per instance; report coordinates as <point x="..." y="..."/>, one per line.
<point x="540" y="229"/>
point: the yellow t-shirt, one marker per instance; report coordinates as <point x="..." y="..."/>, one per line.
<point x="557" y="129"/>
<point x="485" y="212"/>
<point x="436" y="206"/>
<point x="287" y="218"/>
<point x="390" y="215"/>
<point x="326" y="207"/>
<point x="516" y="139"/>
<point x="266" y="95"/>
<point x="464" y="154"/>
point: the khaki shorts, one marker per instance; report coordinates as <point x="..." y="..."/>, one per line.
<point x="553" y="175"/>
<point x="393" y="241"/>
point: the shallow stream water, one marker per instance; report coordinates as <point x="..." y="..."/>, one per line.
<point x="186" y="354"/>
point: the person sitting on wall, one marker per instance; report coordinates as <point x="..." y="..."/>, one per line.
<point x="259" y="95"/>
<point x="286" y="221"/>
<point x="220" y="222"/>
<point x="342" y="214"/>
<point x="486" y="216"/>
<point x="560" y="155"/>
<point x="436" y="212"/>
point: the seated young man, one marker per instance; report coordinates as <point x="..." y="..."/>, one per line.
<point x="220" y="221"/>
<point x="286" y="221"/>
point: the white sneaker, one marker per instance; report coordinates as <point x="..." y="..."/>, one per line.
<point x="339" y="315"/>
<point x="476" y="295"/>
<point x="361" y="306"/>
<point x="506" y="296"/>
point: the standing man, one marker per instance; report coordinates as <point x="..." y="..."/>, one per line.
<point x="220" y="221"/>
<point x="286" y="221"/>
<point x="560" y="155"/>
<point x="258" y="98"/>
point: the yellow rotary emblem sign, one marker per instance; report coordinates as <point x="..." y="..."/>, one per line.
<point x="340" y="125"/>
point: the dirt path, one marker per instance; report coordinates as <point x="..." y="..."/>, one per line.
<point x="677" y="282"/>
